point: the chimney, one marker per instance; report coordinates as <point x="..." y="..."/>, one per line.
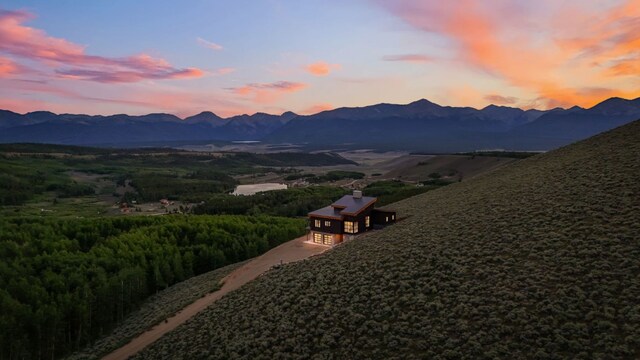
<point x="357" y="194"/>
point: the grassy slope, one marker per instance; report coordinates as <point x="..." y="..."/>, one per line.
<point x="539" y="259"/>
<point x="156" y="309"/>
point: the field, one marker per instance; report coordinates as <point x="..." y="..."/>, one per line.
<point x="74" y="181"/>
<point x="52" y="181"/>
<point x="536" y="260"/>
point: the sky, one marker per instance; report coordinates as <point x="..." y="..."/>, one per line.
<point x="235" y="57"/>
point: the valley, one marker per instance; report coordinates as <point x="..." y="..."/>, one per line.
<point x="139" y="222"/>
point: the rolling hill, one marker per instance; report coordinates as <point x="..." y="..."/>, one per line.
<point x="539" y="259"/>
<point x="417" y="126"/>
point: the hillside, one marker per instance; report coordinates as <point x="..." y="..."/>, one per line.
<point x="538" y="259"/>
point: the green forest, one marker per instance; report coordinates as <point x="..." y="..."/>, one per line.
<point x="65" y="282"/>
<point x="291" y="202"/>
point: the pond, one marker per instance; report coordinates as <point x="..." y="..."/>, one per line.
<point x="256" y="188"/>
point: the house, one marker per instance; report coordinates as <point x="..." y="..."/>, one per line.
<point x="349" y="216"/>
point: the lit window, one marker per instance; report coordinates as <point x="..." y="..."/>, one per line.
<point x="393" y="217"/>
<point x="386" y="219"/>
<point x="317" y="223"/>
<point x="350" y="227"/>
<point x="327" y="223"/>
<point x="317" y="238"/>
<point x="367" y="222"/>
<point x="327" y="240"/>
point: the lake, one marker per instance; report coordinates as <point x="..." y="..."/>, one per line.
<point x="256" y="188"/>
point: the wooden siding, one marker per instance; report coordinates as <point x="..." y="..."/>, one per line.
<point x="360" y="218"/>
<point x="335" y="226"/>
<point x="383" y="217"/>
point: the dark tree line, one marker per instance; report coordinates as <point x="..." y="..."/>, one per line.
<point x="290" y="202"/>
<point x="63" y="283"/>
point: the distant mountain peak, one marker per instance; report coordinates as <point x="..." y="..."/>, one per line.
<point x="423" y="102"/>
<point x="617" y="105"/>
<point x="205" y="117"/>
<point x="495" y="107"/>
<point x="208" y="113"/>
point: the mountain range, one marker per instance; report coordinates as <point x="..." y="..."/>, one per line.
<point x="418" y="126"/>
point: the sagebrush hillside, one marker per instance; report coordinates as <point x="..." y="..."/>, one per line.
<point x="539" y="259"/>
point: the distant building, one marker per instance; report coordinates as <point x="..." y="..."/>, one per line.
<point x="349" y="216"/>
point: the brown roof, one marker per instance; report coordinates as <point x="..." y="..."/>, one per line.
<point x="350" y="205"/>
<point x="327" y="212"/>
<point x="346" y="205"/>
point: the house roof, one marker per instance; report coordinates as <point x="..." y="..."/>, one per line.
<point x="327" y="212"/>
<point x="348" y="205"/>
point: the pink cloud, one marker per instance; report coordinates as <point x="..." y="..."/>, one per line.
<point x="317" y="108"/>
<point x="70" y="60"/>
<point x="557" y="51"/>
<point x="268" y="92"/>
<point x="209" y="44"/>
<point x="10" y="67"/>
<point x="321" y="68"/>
<point x="412" y="58"/>
<point x="501" y="100"/>
<point x="224" y="71"/>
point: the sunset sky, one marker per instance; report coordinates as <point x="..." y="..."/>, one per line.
<point x="233" y="57"/>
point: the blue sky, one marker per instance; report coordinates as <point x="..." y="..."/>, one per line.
<point x="159" y="56"/>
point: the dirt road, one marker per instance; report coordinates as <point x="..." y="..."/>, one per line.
<point x="293" y="250"/>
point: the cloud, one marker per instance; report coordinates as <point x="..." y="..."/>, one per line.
<point x="10" y="67"/>
<point x="70" y="61"/>
<point x="18" y="95"/>
<point x="209" y="44"/>
<point x="501" y="100"/>
<point x="114" y="76"/>
<point x="314" y="109"/>
<point x="268" y="92"/>
<point x="321" y="68"/>
<point x="554" y="50"/>
<point x="224" y="71"/>
<point x="412" y="58"/>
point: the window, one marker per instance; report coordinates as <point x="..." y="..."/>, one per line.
<point x="386" y="219"/>
<point x="317" y="237"/>
<point x="367" y="222"/>
<point x="350" y="227"/>
<point x="317" y="223"/>
<point x="327" y="239"/>
<point x="327" y="223"/>
<point x="393" y="217"/>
